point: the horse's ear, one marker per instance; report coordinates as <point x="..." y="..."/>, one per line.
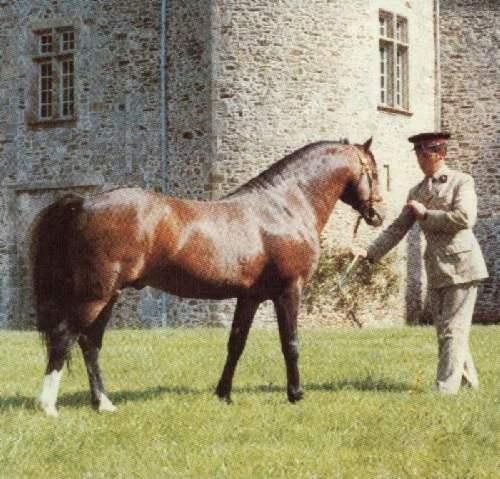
<point x="367" y="144"/>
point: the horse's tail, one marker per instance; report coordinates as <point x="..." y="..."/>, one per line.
<point x="49" y="254"/>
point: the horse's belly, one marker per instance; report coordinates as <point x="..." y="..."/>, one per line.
<point x="189" y="285"/>
<point x="197" y="284"/>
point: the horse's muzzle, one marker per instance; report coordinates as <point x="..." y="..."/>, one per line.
<point x="373" y="216"/>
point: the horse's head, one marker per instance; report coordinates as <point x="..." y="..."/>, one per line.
<point x="362" y="193"/>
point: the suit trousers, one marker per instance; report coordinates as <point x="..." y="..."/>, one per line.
<point x="452" y="308"/>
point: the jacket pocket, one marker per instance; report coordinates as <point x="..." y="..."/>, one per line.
<point x="459" y="246"/>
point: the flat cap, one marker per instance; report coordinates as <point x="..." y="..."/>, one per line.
<point x="437" y="137"/>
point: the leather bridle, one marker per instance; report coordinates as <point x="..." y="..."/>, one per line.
<point x="365" y="170"/>
<point x="368" y="204"/>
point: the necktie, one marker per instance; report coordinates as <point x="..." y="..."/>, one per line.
<point x="429" y="180"/>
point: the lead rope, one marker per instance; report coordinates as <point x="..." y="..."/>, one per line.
<point x="356" y="227"/>
<point x="351" y="266"/>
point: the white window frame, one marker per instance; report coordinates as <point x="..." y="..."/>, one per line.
<point x="393" y="62"/>
<point x="54" y="101"/>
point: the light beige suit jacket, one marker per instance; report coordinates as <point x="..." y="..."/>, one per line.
<point x="452" y="255"/>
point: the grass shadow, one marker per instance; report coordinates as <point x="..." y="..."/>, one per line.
<point x="17" y="402"/>
<point x="367" y="384"/>
<point x="153" y="393"/>
<point x="82" y="398"/>
<point x="262" y="388"/>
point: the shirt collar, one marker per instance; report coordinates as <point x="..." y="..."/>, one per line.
<point x="444" y="170"/>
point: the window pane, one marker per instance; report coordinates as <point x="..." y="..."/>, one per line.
<point x="402" y="29"/>
<point x="46" y="43"/>
<point x="68" y="41"/>
<point x="383" y="26"/>
<point x="46" y="85"/>
<point x="386" y="24"/>
<point x="67" y="100"/>
<point x="402" y="77"/>
<point x="384" y="68"/>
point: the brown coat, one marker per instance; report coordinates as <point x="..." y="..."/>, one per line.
<point x="452" y="255"/>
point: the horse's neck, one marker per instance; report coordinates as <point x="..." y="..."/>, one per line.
<point x="325" y="189"/>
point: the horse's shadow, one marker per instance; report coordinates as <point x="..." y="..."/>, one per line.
<point x="81" y="398"/>
<point x="367" y="384"/>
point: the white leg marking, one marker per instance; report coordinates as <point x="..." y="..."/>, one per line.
<point x="50" y="388"/>
<point x="105" y="405"/>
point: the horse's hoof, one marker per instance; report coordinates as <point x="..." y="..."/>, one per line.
<point x="223" y="396"/>
<point x="296" y="396"/>
<point x="105" y="405"/>
<point x="49" y="409"/>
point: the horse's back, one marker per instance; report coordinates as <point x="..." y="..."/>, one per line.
<point x="131" y="237"/>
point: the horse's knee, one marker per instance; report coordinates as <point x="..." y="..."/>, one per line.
<point x="236" y="342"/>
<point x="291" y="350"/>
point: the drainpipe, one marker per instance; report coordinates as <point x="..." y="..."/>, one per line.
<point x="437" y="66"/>
<point x="163" y="96"/>
<point x="164" y="303"/>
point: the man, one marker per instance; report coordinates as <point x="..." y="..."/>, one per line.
<point x="445" y="206"/>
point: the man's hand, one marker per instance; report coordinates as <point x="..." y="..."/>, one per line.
<point x="418" y="209"/>
<point x="357" y="251"/>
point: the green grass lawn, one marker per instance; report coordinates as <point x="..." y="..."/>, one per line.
<point x="369" y="409"/>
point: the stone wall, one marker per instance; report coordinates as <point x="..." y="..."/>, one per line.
<point x="470" y="57"/>
<point x="294" y="72"/>
<point x="115" y="140"/>
<point x="247" y="82"/>
<point x="190" y="125"/>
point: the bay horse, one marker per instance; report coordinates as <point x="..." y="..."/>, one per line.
<point x="260" y="242"/>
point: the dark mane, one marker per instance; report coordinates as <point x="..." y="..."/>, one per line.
<point x="287" y="166"/>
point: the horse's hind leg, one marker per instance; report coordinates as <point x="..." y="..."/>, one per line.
<point x="59" y="342"/>
<point x="243" y="317"/>
<point x="287" y="308"/>
<point x="90" y="342"/>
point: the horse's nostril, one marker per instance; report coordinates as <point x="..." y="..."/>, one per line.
<point x="373" y="217"/>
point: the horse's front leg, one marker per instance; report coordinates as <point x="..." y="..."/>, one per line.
<point x="287" y="309"/>
<point x="243" y="317"/>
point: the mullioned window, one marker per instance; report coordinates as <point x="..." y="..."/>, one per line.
<point x="394" y="62"/>
<point x="52" y="92"/>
